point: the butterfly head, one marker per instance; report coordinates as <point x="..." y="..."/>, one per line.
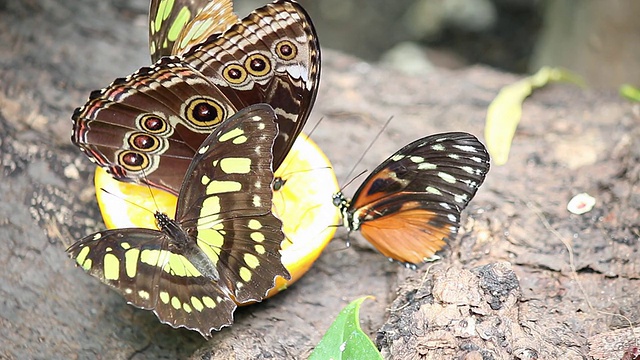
<point x="343" y="204"/>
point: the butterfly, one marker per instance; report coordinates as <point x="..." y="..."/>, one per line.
<point x="223" y="245"/>
<point x="146" y="127"/>
<point x="411" y="203"/>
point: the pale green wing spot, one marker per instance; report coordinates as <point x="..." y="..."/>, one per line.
<point x="260" y="249"/>
<point x="257" y="236"/>
<point x="210" y="205"/>
<point x="178" y="24"/>
<point x="164" y="297"/>
<point x="239" y="140"/>
<point x="210" y="242"/>
<point x="197" y="304"/>
<point x="195" y="32"/>
<point x="217" y="187"/>
<point x="236" y="165"/>
<point x="205" y="180"/>
<point x="131" y="262"/>
<point x="180" y="266"/>
<point x="175" y="302"/>
<point x="231" y="134"/>
<point x="251" y="260"/>
<point x="150" y="257"/>
<point x="210" y="237"/>
<point x="164" y="10"/>
<point x="254" y="224"/>
<point x="208" y="302"/>
<point x="111" y="265"/>
<point x="81" y="259"/>
<point x="245" y="274"/>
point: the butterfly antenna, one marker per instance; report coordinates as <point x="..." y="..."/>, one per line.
<point x="125" y="200"/>
<point x="284" y="169"/>
<point x="369" y="148"/>
<point x="288" y="174"/>
<point x="144" y="175"/>
<point x="353" y="179"/>
<point x="313" y="129"/>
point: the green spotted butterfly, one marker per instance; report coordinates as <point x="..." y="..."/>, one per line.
<point x="224" y="243"/>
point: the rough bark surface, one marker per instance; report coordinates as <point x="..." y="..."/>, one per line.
<point x="524" y="279"/>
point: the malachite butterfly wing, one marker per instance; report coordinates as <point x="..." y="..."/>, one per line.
<point x="411" y="203"/>
<point x="146" y="127"/>
<point x="224" y="243"/>
<point x="176" y="25"/>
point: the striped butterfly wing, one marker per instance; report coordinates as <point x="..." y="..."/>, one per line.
<point x="176" y="25"/>
<point x="223" y="245"/>
<point x="226" y="200"/>
<point x="411" y="203"/>
<point x="271" y="56"/>
<point x="146" y="127"/>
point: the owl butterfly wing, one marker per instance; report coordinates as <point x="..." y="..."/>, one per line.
<point x="272" y="56"/>
<point x="138" y="264"/>
<point x="226" y="200"/>
<point x="412" y="202"/>
<point x="176" y="25"/>
<point x="146" y="127"/>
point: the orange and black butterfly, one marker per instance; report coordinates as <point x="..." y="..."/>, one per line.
<point x="411" y="203"/>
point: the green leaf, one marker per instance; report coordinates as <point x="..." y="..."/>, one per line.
<point x="345" y="339"/>
<point x="505" y="111"/>
<point x="630" y="92"/>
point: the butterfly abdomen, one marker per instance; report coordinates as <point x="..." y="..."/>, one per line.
<point x="184" y="243"/>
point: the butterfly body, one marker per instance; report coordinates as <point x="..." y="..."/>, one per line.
<point x="411" y="203"/>
<point x="179" y="241"/>
<point x="222" y="245"/>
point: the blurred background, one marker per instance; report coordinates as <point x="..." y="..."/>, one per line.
<point x="599" y="40"/>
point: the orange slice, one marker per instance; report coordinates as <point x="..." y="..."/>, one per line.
<point x="303" y="204"/>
